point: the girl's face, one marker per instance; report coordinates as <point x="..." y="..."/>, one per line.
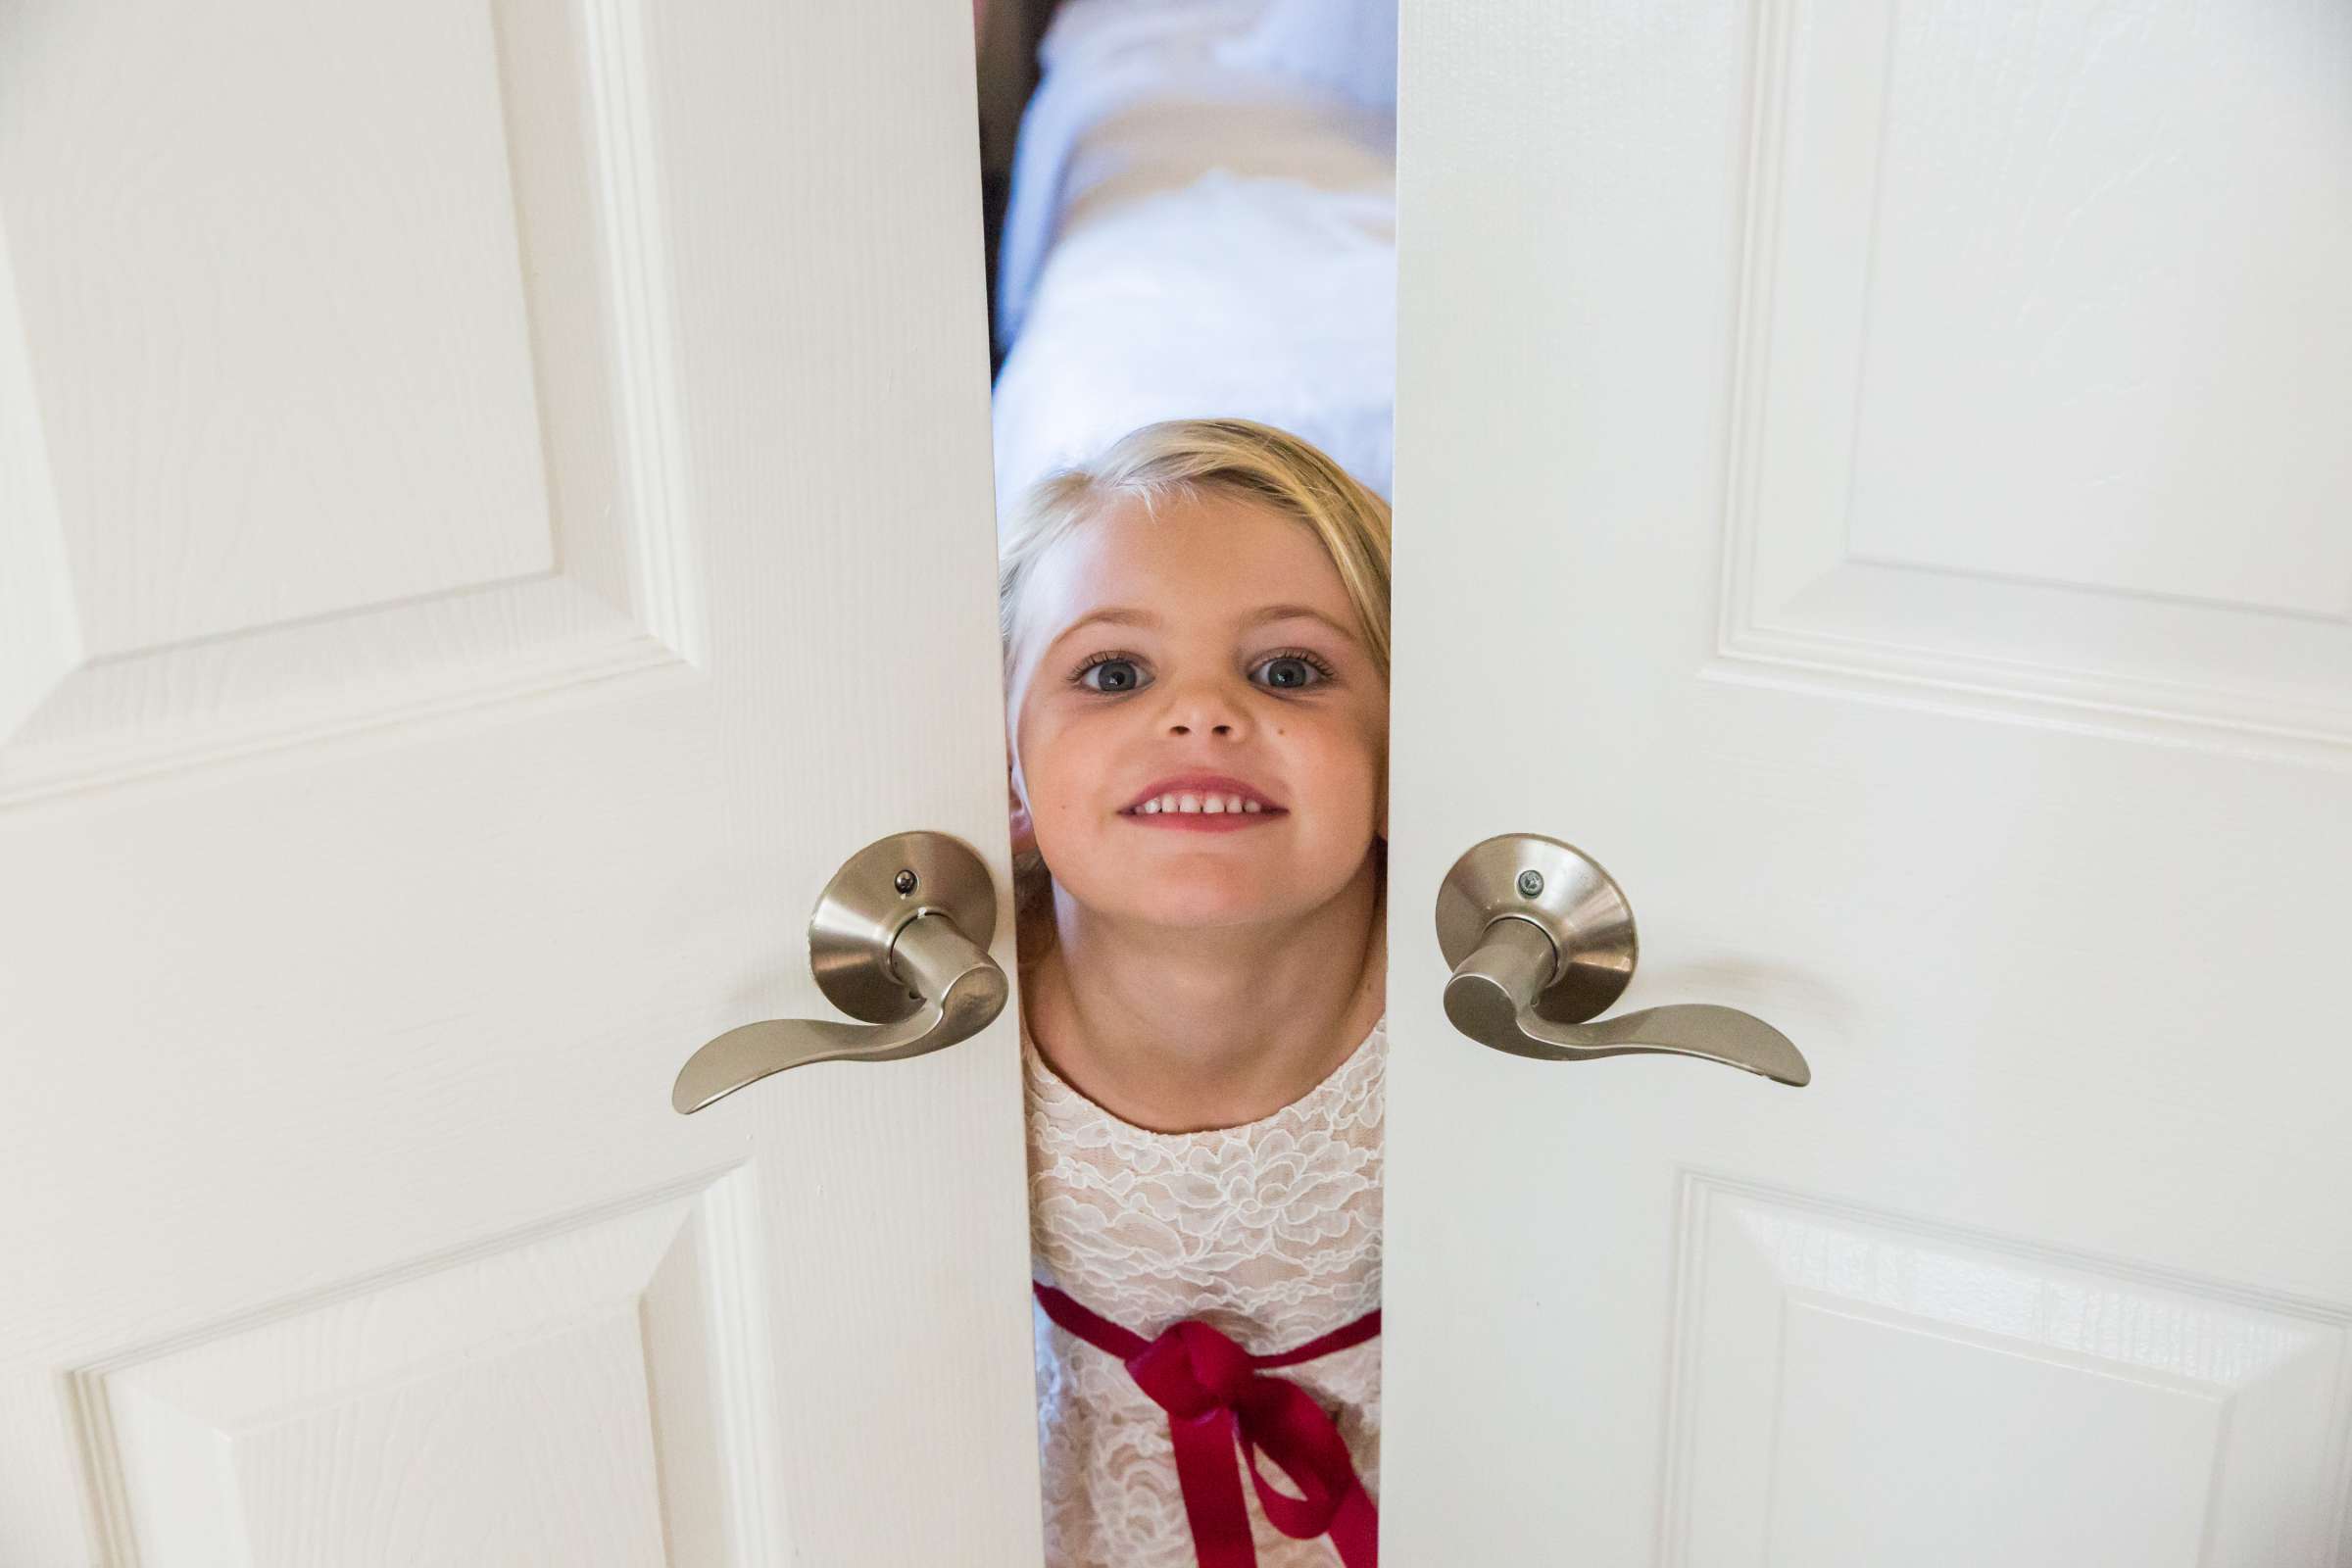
<point x="1215" y="639"/>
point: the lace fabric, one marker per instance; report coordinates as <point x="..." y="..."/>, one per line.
<point x="1269" y="1232"/>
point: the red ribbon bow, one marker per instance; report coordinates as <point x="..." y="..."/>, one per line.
<point x="1216" y="1396"/>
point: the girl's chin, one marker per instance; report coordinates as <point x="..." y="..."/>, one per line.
<point x="1185" y="907"/>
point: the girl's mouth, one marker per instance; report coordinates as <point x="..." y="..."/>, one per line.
<point x="1203" y="821"/>
<point x="1203" y="816"/>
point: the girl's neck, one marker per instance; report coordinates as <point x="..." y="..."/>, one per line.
<point x="1185" y="1030"/>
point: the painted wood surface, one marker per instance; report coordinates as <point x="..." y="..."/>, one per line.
<point x="1873" y="477"/>
<point x="496" y="509"/>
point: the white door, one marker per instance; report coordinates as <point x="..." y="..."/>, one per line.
<point x="1874" y="477"/>
<point x="494" y="511"/>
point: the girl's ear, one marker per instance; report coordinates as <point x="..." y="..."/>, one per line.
<point x="1024" y="831"/>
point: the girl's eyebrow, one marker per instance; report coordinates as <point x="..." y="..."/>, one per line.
<point x="1120" y="616"/>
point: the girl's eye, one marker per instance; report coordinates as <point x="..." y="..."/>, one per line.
<point x="1120" y="673"/>
<point x="1290" y="671"/>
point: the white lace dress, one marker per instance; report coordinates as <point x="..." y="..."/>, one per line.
<point x="1269" y="1232"/>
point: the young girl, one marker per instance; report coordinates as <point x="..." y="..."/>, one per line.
<point x="1197" y="653"/>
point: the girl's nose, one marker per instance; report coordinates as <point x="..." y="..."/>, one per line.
<point x="1205" y="708"/>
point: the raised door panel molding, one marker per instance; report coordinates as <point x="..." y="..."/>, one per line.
<point x="349" y="409"/>
<point x="584" y="1393"/>
<point x="2084" y="1412"/>
<point x="1959" y="474"/>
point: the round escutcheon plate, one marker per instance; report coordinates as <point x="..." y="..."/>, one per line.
<point x="861" y="912"/>
<point x="1579" y="906"/>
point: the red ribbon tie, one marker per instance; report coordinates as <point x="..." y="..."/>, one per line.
<point x="1217" y="1395"/>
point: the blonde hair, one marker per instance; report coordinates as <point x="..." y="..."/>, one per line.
<point x="1191" y="460"/>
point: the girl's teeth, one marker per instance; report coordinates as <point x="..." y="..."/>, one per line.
<point x="1210" y="804"/>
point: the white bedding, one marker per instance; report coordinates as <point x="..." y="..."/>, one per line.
<point x="1203" y="221"/>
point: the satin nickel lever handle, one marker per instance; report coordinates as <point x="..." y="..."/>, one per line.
<point x="899" y="938"/>
<point x="1541" y="939"/>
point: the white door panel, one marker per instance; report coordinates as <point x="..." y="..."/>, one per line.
<point x="1873" y="477"/>
<point x="465" y="585"/>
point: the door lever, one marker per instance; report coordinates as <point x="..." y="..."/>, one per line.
<point x="900" y="939"/>
<point x="1541" y="939"/>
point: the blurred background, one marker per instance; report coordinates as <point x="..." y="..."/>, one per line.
<point x="1190" y="212"/>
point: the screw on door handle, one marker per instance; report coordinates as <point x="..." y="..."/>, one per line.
<point x="1541" y="939"/>
<point x="900" y="939"/>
